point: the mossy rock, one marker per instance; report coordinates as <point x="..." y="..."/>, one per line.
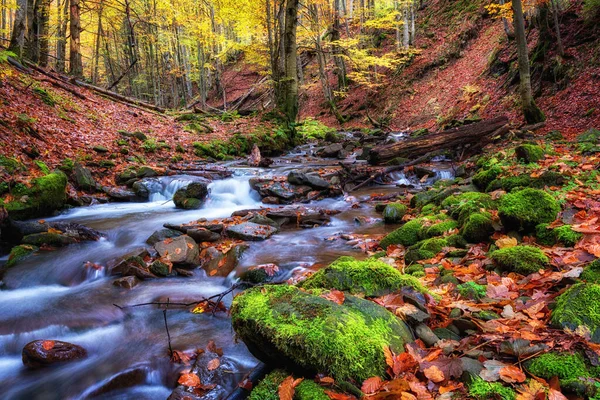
<point x="407" y="235"/>
<point x="146" y="172"/>
<point x="46" y="195"/>
<point x="554" y="136"/>
<point x="191" y="197"/>
<point x="575" y="374"/>
<point x="463" y="205"/>
<point x="578" y="308"/>
<point x="423" y="198"/>
<point x="525" y="209"/>
<point x="48" y="238"/>
<point x="440" y="228"/>
<point x="100" y="149"/>
<point x="591" y="135"/>
<point x="485" y="176"/>
<point x="482" y="390"/>
<point x="487" y="315"/>
<point x="510" y="183"/>
<point x="393" y="213"/>
<point x="160" y="268"/>
<point x="369" y="277"/>
<point x="591" y="273"/>
<point x="19" y="253"/>
<point x="478" y="227"/>
<point x="529" y="153"/>
<point x="472" y="290"/>
<point x="285" y="326"/>
<point x="424" y="250"/>
<point x="126" y="175"/>
<point x="522" y="259"/>
<point x="563" y="234"/>
<point x="268" y="388"/>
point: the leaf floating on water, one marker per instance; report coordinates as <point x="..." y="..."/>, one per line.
<point x="179" y="357"/>
<point x="246" y="384"/>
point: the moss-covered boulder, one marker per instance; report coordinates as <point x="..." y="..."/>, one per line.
<point x="191" y="197"/>
<point x="578" y="309"/>
<point x="285" y="326"/>
<point x="369" y="277"/>
<point x="440" y="228"/>
<point x="19" y="253"/>
<point x="463" y="205"/>
<point x="574" y="372"/>
<point x="471" y="290"/>
<point x="529" y="153"/>
<point x="563" y="234"/>
<point x="482" y="390"/>
<point x="407" y="235"/>
<point x="522" y="259"/>
<point x="393" y="213"/>
<point x="45" y="195"/>
<point x="477" y="227"/>
<point x="527" y="208"/>
<point x="48" y="238"/>
<point x="485" y="176"/>
<point x="268" y="388"/>
<point x="424" y="250"/>
<point x="591" y="273"/>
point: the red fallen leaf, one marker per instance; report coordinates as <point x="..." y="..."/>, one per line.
<point x="246" y="384"/>
<point x="213" y="364"/>
<point x="48" y="344"/>
<point x="326" y="380"/>
<point x="212" y="347"/>
<point x="189" y="379"/>
<point x="371" y="385"/>
<point x="286" y="389"/>
<point x="434" y="374"/>
<point x="179" y="357"/>
<point x="554" y="394"/>
<point x="339" y="396"/>
<point x="512" y="374"/>
<point x="334" y="295"/>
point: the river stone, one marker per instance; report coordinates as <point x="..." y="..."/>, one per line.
<point x="77" y="231"/>
<point x="332" y="150"/>
<point x="300" y="178"/>
<point x="250" y="231"/>
<point x="263" y="220"/>
<point x="146" y="172"/>
<point x="203" y="235"/>
<point x="14" y="231"/>
<point x="42" y="353"/>
<point x="119" y="194"/>
<point x="160" y="268"/>
<point x="45" y="195"/>
<point x="126" y="282"/>
<point x="50" y="239"/>
<point x="191" y="197"/>
<point x="141" y="189"/>
<point x="180" y="250"/>
<point x="83" y="177"/>
<point x="126" y="175"/>
<point x="217" y="263"/>
<point x="162" y="234"/>
<point x="285" y="326"/>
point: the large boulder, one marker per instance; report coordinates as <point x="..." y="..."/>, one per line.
<point x="162" y="234"/>
<point x="285" y="326"/>
<point x="218" y="263"/>
<point x="312" y="180"/>
<point x="369" y="277"/>
<point x="45" y="195"/>
<point x="180" y="250"/>
<point x="250" y="231"/>
<point x="527" y="208"/>
<point x="203" y="235"/>
<point x="42" y="353"/>
<point x="191" y="197"/>
<point x="578" y="309"/>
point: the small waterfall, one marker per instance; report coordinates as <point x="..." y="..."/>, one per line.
<point x="397" y="136"/>
<point x="163" y="189"/>
<point x="94" y="271"/>
<point x="444" y="174"/>
<point x="400" y="178"/>
<point x="231" y="192"/>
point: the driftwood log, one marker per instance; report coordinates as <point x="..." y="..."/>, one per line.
<point x="474" y="135"/>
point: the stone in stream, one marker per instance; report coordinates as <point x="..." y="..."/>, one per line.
<point x="14" y="231"/>
<point x="213" y="381"/>
<point x="126" y="282"/>
<point x="141" y="189"/>
<point x="42" y="353"/>
<point x="180" y="250"/>
<point x="131" y="264"/>
<point x="77" y="231"/>
<point x="46" y="195"/>
<point x="162" y="234"/>
<point x="83" y="178"/>
<point x="217" y="263"/>
<point x="48" y="238"/>
<point x="203" y="235"/>
<point x="161" y="267"/>
<point x="20" y="253"/>
<point x="250" y="231"/>
<point x="300" y="178"/>
<point x="192" y="196"/>
<point x="285" y="326"/>
<point x="332" y="150"/>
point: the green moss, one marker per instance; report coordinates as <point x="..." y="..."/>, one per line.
<point x="545" y="235"/>
<point x="423" y="198"/>
<point x="527" y="208"/>
<point x="150" y="146"/>
<point x="565" y="366"/>
<point x="567" y="236"/>
<point x="19" y="253"/>
<point x="522" y="259"/>
<point x="415" y="270"/>
<point x="487" y="315"/>
<point x="456" y="241"/>
<point x="393" y="213"/>
<point x="591" y="135"/>
<point x="424" y="250"/>
<point x="309" y="390"/>
<point x="483" y="390"/>
<point x="465" y="204"/>
<point x="369" y="277"/>
<point x="510" y="183"/>
<point x="440" y="228"/>
<point x="66" y="165"/>
<point x="45" y="195"/>
<point x="159" y="268"/>
<point x="45" y="96"/>
<point x="591" y="273"/>
<point x="281" y="324"/>
<point x="477" y="228"/>
<point x="529" y="153"/>
<point x="42" y="167"/>
<point x="578" y="307"/>
<point x="485" y="176"/>
<point x="471" y="290"/>
<point x="267" y="389"/>
<point x="407" y="235"/>
<point x="310" y="129"/>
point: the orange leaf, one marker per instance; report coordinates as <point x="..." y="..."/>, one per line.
<point x="189" y="379"/>
<point x="334" y="295"/>
<point x="286" y="389"/>
<point x="48" y="344"/>
<point x="434" y="374"/>
<point x="512" y="374"/>
<point x="213" y="364"/>
<point x="371" y="385"/>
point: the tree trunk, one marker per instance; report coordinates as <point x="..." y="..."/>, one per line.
<point x="17" y="38"/>
<point x="75" y="63"/>
<point x="340" y="66"/>
<point x="531" y="111"/>
<point x="474" y="135"/>
<point x="61" y="34"/>
<point x="289" y="104"/>
<point x="555" y="10"/>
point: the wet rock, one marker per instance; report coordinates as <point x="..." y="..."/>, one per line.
<point x="284" y="326"/>
<point x="217" y="263"/>
<point x="271" y="200"/>
<point x="42" y="353"/>
<point x="83" y="178"/>
<point x="180" y="250"/>
<point x="20" y="253"/>
<point x="50" y="239"/>
<point x="126" y="282"/>
<point x="77" y="231"/>
<point x="331" y="150"/>
<point x="146" y="172"/>
<point x="184" y="272"/>
<point x="203" y="235"/>
<point x="162" y="234"/>
<point x="263" y="220"/>
<point x="131" y="264"/>
<point x="191" y="197"/>
<point x="160" y="268"/>
<point x="141" y="189"/>
<point x="126" y="176"/>
<point x="425" y="333"/>
<point x="300" y="178"/>
<point x="14" y="231"/>
<point x="420" y="172"/>
<point x="250" y="231"/>
<point x="46" y="195"/>
<point x="119" y="194"/>
<point x="100" y="149"/>
<point x="215" y="380"/>
<point x="122" y="380"/>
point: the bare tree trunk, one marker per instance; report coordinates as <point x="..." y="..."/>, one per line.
<point x="406" y="33"/>
<point x="17" y="38"/>
<point x="75" y="63"/>
<point x="398" y="20"/>
<point x="559" y="44"/>
<point x="289" y="106"/>
<point x="531" y="111"/>
<point x="507" y="30"/>
<point x="340" y="69"/>
<point x="62" y="9"/>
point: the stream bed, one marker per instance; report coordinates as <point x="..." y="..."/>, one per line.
<point x="53" y="296"/>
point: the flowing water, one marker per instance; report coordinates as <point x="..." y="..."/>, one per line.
<point x="53" y="296"/>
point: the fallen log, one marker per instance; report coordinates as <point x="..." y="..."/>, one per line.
<point x="475" y="135"/>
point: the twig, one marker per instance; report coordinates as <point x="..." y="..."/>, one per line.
<point x="167" y="328"/>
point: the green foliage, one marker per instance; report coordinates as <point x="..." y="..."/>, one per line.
<point x="522" y="259"/>
<point x="369" y="277"/>
<point x="309" y="390"/>
<point x="483" y="390"/>
<point x="45" y="96"/>
<point x="150" y="146"/>
<point x="529" y="153"/>
<point x="179" y="148"/>
<point x="591" y="273"/>
<point x="407" y="235"/>
<point x="42" y="166"/>
<point x="4" y="54"/>
<point x="229" y="116"/>
<point x="527" y="208"/>
<point x="310" y="129"/>
<point x="11" y="164"/>
<point x="393" y="213"/>
<point x="472" y="290"/>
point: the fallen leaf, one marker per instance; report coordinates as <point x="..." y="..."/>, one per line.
<point x="434" y="374"/>
<point x="48" y="344"/>
<point x="371" y="385"/>
<point x="512" y="374"/>
<point x="189" y="379"/>
<point x="213" y="364"/>
<point x="286" y="389"/>
<point x="506" y="242"/>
